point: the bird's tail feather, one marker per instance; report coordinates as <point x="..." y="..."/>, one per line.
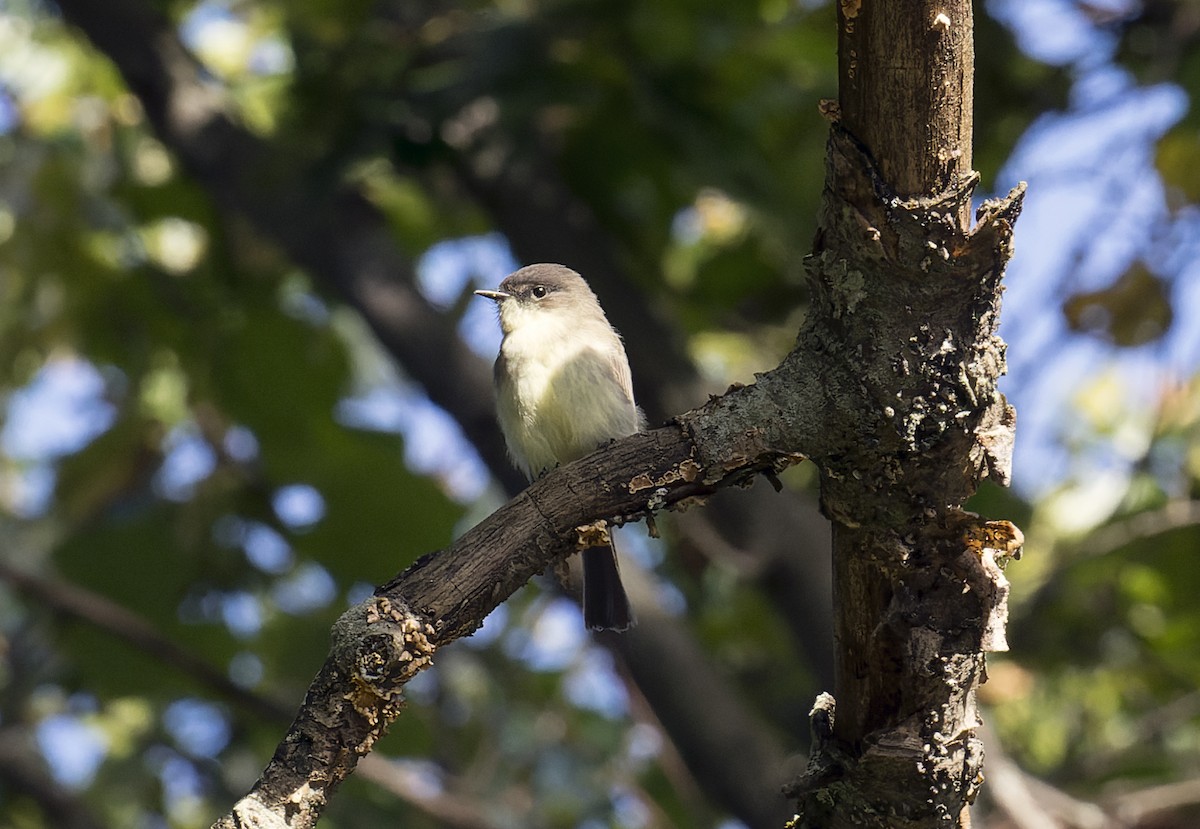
<point x="605" y="605"/>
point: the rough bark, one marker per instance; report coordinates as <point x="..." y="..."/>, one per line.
<point x="906" y="313"/>
<point x="906" y="82"/>
<point x="906" y="304"/>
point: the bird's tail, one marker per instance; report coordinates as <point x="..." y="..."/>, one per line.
<point x="605" y="605"/>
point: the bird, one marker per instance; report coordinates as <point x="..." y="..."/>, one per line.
<point x="563" y="389"/>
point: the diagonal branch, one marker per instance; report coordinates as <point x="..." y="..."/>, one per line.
<point x="345" y="242"/>
<point x="382" y="643"/>
<point x="556" y="226"/>
<point x="662" y="658"/>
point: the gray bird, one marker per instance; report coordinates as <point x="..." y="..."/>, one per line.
<point x="563" y="389"/>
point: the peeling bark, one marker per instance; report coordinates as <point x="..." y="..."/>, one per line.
<point x="906" y="305"/>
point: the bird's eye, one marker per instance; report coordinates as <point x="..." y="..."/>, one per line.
<point x="539" y="291"/>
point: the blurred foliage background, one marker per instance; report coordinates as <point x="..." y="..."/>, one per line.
<point x="242" y="381"/>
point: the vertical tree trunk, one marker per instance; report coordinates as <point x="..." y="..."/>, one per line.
<point x="906" y="299"/>
<point x="906" y="80"/>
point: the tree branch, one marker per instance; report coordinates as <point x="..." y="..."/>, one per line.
<point x="671" y="671"/>
<point x="382" y="643"/>
<point x="1108" y="539"/>
<point x="781" y="542"/>
<point x="662" y="658"/>
<point x="1029" y="803"/>
<point x="545" y="222"/>
<point x="811" y="404"/>
<point x="907" y="76"/>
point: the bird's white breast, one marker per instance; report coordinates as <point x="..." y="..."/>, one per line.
<point x="565" y="400"/>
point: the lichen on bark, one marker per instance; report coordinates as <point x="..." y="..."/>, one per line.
<point x="905" y="308"/>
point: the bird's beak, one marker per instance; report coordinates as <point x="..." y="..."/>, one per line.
<point x="494" y="295"/>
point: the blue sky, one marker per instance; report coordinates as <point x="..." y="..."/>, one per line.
<point x="1095" y="205"/>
